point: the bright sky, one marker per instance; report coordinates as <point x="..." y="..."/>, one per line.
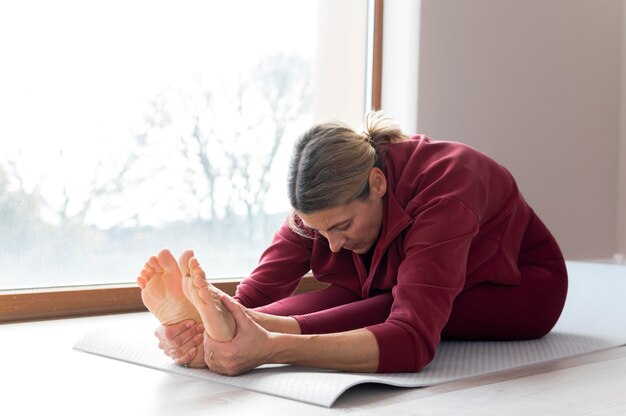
<point x="76" y="76"/>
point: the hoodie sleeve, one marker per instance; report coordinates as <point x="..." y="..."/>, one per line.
<point x="279" y="271"/>
<point x="429" y="278"/>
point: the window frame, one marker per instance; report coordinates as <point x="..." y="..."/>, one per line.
<point x="79" y="301"/>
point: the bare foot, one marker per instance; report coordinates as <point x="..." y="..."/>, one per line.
<point x="162" y="293"/>
<point x="161" y="284"/>
<point x="218" y="321"/>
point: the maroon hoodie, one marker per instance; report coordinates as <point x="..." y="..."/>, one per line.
<point x="452" y="218"/>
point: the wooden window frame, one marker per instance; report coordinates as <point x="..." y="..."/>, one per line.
<point x="68" y="302"/>
<point x="377" y="55"/>
<point x="79" y="301"/>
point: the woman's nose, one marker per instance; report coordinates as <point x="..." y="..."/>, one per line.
<point x="335" y="242"/>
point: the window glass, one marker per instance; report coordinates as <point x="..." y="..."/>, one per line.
<point x="128" y="126"/>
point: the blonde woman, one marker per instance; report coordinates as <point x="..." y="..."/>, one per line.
<point x="418" y="239"/>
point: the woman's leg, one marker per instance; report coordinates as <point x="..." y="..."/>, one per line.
<point x="525" y="311"/>
<point x="309" y="302"/>
<point x="332" y="309"/>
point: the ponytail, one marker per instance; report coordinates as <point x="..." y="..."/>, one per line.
<point x="378" y="128"/>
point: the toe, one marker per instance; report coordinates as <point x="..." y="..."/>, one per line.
<point x="142" y="282"/>
<point x="146" y="275"/>
<point x="183" y="261"/>
<point x="194" y="267"/>
<point x="153" y="265"/>
<point x="167" y="261"/>
<point x="199" y="277"/>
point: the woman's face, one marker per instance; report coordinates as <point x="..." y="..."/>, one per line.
<point x="354" y="226"/>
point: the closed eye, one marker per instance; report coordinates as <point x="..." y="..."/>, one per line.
<point x="343" y="227"/>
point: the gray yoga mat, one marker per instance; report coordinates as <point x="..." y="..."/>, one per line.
<point x="594" y="318"/>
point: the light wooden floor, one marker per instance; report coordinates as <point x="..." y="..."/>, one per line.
<point x="41" y="374"/>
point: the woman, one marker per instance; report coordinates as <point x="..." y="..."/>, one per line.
<point x="417" y="239"/>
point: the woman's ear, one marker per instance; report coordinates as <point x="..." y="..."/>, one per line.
<point x="378" y="182"/>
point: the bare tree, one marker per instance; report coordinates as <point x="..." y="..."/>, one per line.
<point x="285" y="82"/>
<point x="19" y="210"/>
<point x="195" y="149"/>
<point x="203" y="144"/>
<point x="109" y="178"/>
<point x="228" y="137"/>
<point x="282" y="84"/>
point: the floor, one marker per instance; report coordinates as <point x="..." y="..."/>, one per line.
<point x="41" y="374"/>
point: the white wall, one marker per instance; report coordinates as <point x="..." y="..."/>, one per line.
<point x="535" y="84"/>
<point x="621" y="183"/>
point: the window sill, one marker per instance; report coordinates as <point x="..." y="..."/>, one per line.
<point x="72" y="302"/>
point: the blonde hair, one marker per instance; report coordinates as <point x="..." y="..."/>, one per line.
<point x="330" y="163"/>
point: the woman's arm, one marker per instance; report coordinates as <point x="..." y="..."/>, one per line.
<point x="253" y="345"/>
<point x="336" y="309"/>
<point x="354" y="351"/>
<point x="281" y="267"/>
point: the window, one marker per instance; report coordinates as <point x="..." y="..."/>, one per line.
<point x="128" y="126"/>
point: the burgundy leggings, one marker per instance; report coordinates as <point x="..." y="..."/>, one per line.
<point x="483" y="312"/>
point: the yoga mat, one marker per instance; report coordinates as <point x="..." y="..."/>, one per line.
<point x="594" y="318"/>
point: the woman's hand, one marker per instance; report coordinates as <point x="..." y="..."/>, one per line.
<point x="251" y="346"/>
<point x="182" y="342"/>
